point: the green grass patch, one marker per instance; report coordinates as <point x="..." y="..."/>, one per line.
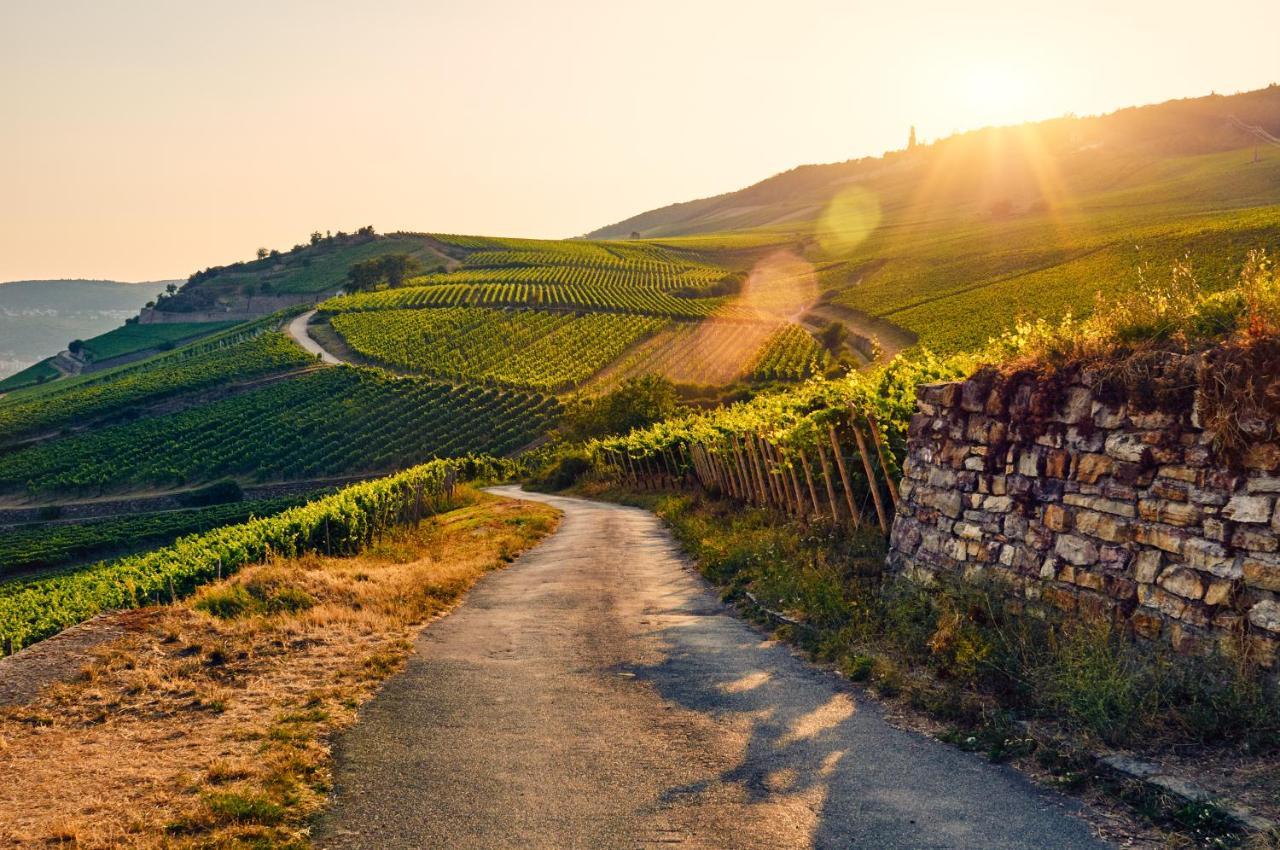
<point x="130" y="339"/>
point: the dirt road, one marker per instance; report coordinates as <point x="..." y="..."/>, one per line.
<point x="298" y="330"/>
<point x="597" y="694"/>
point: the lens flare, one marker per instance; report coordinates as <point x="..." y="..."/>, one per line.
<point x="850" y="217"/>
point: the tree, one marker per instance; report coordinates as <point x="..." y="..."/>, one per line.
<point x="637" y="403"/>
<point x="75" y="346"/>
<point x="391" y="269"/>
<point x="262" y="253"/>
<point x="316" y="237"/>
<point x="911" y="138"/>
<point x="635" y="234"/>
<point x="171" y="289"/>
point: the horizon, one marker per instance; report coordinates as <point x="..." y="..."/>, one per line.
<point x="238" y="144"/>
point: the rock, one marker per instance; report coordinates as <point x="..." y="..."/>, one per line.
<point x="1128" y="447"/>
<point x="1102" y="526"/>
<point x="1210" y="557"/>
<point x="1075" y="550"/>
<point x="1251" y="509"/>
<point x="1182" y="581"/>
<point x="1146" y="566"/>
<point x="1263" y="484"/>
<point x="1057" y="518"/>
<point x="1076" y="405"/>
<point x="1266" y="615"/>
<point x="1261" y="573"/>
<point x="1219" y="592"/>
<point x="1091" y="467"/>
<point x="1098" y="503"/>
<point x="1160" y="536"/>
<point x="1173" y="513"/>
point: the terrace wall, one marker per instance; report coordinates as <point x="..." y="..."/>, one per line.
<point x="1089" y="503"/>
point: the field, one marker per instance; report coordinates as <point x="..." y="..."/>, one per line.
<point x="36" y="373"/>
<point x="126" y="391"/>
<point x="46" y="545"/>
<point x="522" y="348"/>
<point x="791" y="354"/>
<point x="130" y="339"/>
<point x="710" y="353"/>
<point x="335" y="421"/>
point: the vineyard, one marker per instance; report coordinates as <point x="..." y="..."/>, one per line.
<point x="791" y="354"/>
<point x="334" y="421"/>
<point x="130" y="339"/>
<point x="714" y="352"/>
<point x="342" y="523"/>
<point x="602" y="298"/>
<point x="826" y="449"/>
<point x="241" y="361"/>
<point x="525" y="348"/>
<point x="45" y="545"/>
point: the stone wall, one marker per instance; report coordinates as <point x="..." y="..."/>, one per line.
<point x="1096" y="508"/>
<point x="236" y="308"/>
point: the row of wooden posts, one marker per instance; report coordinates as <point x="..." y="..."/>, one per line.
<point x="752" y="469"/>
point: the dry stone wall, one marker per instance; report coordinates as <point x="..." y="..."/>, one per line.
<point x="1091" y="505"/>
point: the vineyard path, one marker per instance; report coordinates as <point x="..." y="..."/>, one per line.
<point x="598" y="694"/>
<point x="298" y="330"/>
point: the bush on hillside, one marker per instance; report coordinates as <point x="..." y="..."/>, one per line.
<point x="637" y="403"/>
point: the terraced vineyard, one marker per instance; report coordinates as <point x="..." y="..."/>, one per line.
<point x="647" y="301"/>
<point x="124" y="391"/>
<point x="45" y="545"/>
<point x="524" y="348"/>
<point x="333" y="421"/>
<point x="714" y="352"/>
<point x="130" y="339"/>
<point x="791" y="354"/>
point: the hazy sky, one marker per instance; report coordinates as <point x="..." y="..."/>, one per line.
<point x="146" y="138"/>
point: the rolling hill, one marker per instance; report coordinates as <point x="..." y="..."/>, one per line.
<point x="39" y="317"/>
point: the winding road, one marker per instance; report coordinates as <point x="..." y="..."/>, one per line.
<point x="298" y="330"/>
<point x="597" y="694"/>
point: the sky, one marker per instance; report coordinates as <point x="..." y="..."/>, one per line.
<point x="143" y="139"/>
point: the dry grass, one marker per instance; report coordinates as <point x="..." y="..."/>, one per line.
<point x="204" y="730"/>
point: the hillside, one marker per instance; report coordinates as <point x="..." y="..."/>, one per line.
<point x="1003" y="221"/>
<point x="39" y="317"/>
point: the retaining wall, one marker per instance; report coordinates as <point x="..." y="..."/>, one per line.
<point x="1090" y="504"/>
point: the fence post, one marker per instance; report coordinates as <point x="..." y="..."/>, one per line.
<point x="871" y="477"/>
<point x="826" y="479"/>
<point x="808" y="477"/>
<point x="844" y="477"/>
<point x="884" y="465"/>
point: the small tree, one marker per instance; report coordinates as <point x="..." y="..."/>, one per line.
<point x="76" y="346"/>
<point x="171" y="289"/>
<point x="262" y="253"/>
<point x="316" y="237"/>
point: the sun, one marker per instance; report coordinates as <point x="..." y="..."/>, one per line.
<point x="996" y="93"/>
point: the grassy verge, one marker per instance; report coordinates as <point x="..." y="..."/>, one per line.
<point x="982" y="674"/>
<point x="209" y="724"/>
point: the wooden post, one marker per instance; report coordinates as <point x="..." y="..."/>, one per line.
<point x="880" y="452"/>
<point x="844" y="476"/>
<point x="871" y="477"/>
<point x="754" y="452"/>
<point x="808" y="477"/>
<point x="784" y="470"/>
<point x="740" y="457"/>
<point x="826" y="479"/>
<point x="795" y="485"/>
<point x="771" y="476"/>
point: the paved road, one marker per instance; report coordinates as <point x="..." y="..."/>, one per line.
<point x="298" y="330"/>
<point x="597" y="695"/>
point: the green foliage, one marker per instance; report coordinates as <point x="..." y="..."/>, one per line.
<point x="342" y="523"/>
<point x="330" y="422"/>
<point x="791" y="354"/>
<point x="388" y="269"/>
<point x="636" y="403"/>
<point x="1177" y="314"/>
<point x="36" y="373"/>
<point x="41" y="546"/>
<point x="546" y="351"/>
<point x="130" y="339"/>
<point x="268" y="592"/>
<point x="124" y="392"/>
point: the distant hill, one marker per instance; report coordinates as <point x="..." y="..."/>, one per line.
<point x="952" y="241"/>
<point x="39" y="317"/>
<point x="986" y="165"/>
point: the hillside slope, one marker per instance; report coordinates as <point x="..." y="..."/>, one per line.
<point x="953" y="241"/>
<point x="39" y="317"/>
